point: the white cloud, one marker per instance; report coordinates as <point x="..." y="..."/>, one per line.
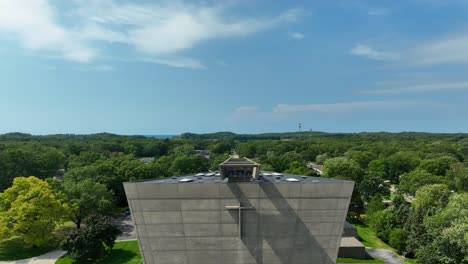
<point x="378" y="11"/>
<point x="420" y="88"/>
<point x="296" y="35"/>
<point x="34" y="23"/>
<point x="373" y="54"/>
<point x="158" y="30"/>
<point x="451" y="49"/>
<point x="181" y="28"/>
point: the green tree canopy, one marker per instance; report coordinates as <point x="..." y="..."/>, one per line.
<point x="343" y="168"/>
<point x="438" y="166"/>
<point x="189" y="164"/>
<point x="87" y="197"/>
<point x="31" y="209"/>
<point x="27" y="160"/>
<point x="91" y="242"/>
<point x="412" y="181"/>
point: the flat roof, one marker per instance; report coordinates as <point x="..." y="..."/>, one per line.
<point x="350" y="242"/>
<point x="264" y="177"/>
<point x="238" y="161"/>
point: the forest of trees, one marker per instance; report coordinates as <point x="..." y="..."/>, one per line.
<point x="428" y="174"/>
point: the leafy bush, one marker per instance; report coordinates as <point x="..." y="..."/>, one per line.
<point x="398" y="238"/>
<point x="91" y="242"/>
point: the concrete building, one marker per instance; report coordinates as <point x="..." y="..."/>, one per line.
<point x="350" y="246"/>
<point x="239" y="215"/>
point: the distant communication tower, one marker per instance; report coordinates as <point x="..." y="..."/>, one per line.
<point x="300" y="126"/>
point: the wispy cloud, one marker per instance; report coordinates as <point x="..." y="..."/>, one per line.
<point x="34" y="22"/>
<point x="427" y="87"/>
<point x="296" y="35"/>
<point x="178" y="62"/>
<point x="373" y="54"/>
<point x="243" y="109"/>
<point x="449" y="49"/>
<point x="281" y="110"/>
<point x="98" y="68"/>
<point x="157" y="30"/>
<point x="381" y="11"/>
<point x="338" y="107"/>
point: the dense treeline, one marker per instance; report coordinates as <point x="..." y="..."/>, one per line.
<point x="426" y="175"/>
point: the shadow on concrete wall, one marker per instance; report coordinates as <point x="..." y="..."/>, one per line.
<point x="288" y="237"/>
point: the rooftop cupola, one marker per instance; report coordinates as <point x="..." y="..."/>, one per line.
<point x="239" y="170"/>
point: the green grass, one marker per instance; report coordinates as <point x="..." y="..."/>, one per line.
<point x="368" y="237"/>
<point x="351" y="260"/>
<point x="125" y="252"/>
<point x="14" y="249"/>
<point x="409" y="261"/>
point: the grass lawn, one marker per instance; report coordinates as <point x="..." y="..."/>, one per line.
<point x="368" y="237"/>
<point x="351" y="260"/>
<point x="409" y="261"/>
<point x="14" y="249"/>
<point x="125" y="252"/>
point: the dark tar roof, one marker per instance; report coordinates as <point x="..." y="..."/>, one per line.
<point x="265" y="177"/>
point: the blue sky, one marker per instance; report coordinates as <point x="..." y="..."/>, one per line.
<point x="168" y="67"/>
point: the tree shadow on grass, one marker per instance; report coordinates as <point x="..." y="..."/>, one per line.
<point x="15" y="249"/>
<point x="116" y="256"/>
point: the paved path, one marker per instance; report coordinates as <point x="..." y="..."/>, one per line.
<point x="125" y="223"/>
<point x="388" y="256"/>
<point x="48" y="258"/>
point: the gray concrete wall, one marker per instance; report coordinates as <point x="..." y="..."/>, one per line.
<point x="289" y="223"/>
<point x="352" y="252"/>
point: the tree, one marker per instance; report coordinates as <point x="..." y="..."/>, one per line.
<point x="432" y="197"/>
<point x="84" y="159"/>
<point x="363" y="158"/>
<point x="87" y="197"/>
<point x="393" y="166"/>
<point x="375" y="205"/>
<point x="91" y="242"/>
<point x="438" y="166"/>
<point x="222" y="147"/>
<point x="43" y="162"/>
<point x="383" y="222"/>
<point x="190" y="164"/>
<point x="373" y="185"/>
<point x="31" y="210"/>
<point x="412" y="181"/>
<point x="343" y="168"/>
<point x="447" y="233"/>
<point x="458" y="174"/>
<point x="299" y="168"/>
<point x="321" y="158"/>
<point x="417" y="235"/>
<point x="218" y="159"/>
<point x="398" y="238"/>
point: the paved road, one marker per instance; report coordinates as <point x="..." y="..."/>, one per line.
<point x="388" y="256"/>
<point x="125" y="224"/>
